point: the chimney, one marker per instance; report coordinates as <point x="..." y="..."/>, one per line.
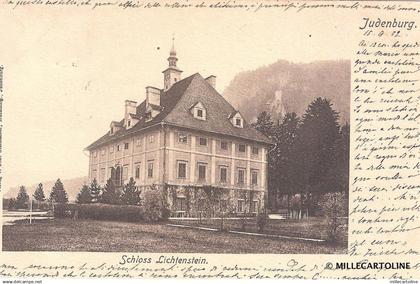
<point x="130" y="108"/>
<point x="152" y="96"/>
<point x="211" y="80"/>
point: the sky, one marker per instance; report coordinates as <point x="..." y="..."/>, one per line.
<point x="67" y="77"/>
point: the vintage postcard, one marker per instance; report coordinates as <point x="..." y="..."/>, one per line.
<point x="209" y="140"/>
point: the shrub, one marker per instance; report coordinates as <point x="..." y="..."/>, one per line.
<point x="59" y="210"/>
<point x="99" y="211"/>
<point x="155" y="207"/>
<point x="333" y="206"/>
<point x="261" y="221"/>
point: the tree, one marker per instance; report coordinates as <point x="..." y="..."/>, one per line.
<point x="130" y="194"/>
<point x="39" y="193"/>
<point x="333" y="206"/>
<point x="110" y="194"/>
<point x="283" y="170"/>
<point x="58" y="194"/>
<point x="84" y="195"/>
<point x="12" y="204"/>
<point x="154" y="205"/>
<point x="316" y="141"/>
<point x="264" y="124"/>
<point x="22" y="198"/>
<point x="95" y="191"/>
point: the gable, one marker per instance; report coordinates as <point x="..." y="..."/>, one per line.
<point x="198" y="111"/>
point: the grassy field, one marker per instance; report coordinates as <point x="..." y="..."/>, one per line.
<point x="314" y="227"/>
<point x="107" y="236"/>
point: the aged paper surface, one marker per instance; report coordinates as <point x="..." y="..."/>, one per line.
<point x="68" y="66"/>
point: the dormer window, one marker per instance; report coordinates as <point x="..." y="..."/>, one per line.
<point x="129" y="123"/>
<point x="199" y="111"/>
<point x="236" y="119"/>
<point x="112" y="130"/>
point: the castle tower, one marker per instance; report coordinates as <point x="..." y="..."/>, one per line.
<point x="172" y="74"/>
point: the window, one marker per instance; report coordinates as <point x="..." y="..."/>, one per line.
<point x="182" y="169"/>
<point x="223" y="174"/>
<point x="111" y="149"/>
<point x="103" y="152"/>
<point x="223" y="145"/>
<point x="151" y="138"/>
<point x="150" y="169"/>
<point x="138" y="142"/>
<point x="203" y="141"/>
<point x="125" y="172"/>
<point x="241" y="176"/>
<point x="255" y="150"/>
<point x="129" y="123"/>
<point x="202" y="172"/>
<point x="182" y="138"/>
<point x="126" y="146"/>
<point x="240" y="206"/>
<point x="241" y="148"/>
<point x="112" y="130"/>
<point x="254" y="177"/>
<point x="93" y="175"/>
<point x="95" y="154"/>
<point x="180" y="204"/>
<point x="102" y="175"/>
<point x="137" y="172"/>
<point x="118" y="147"/>
<point x="253" y="208"/>
<point x="237" y="120"/>
<point x="199" y="111"/>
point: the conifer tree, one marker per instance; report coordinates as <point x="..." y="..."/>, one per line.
<point x="39" y="193"/>
<point x="316" y="141"/>
<point x="84" y="195"/>
<point x="95" y="191"/>
<point x="130" y="194"/>
<point x="22" y="198"/>
<point x="58" y="194"/>
<point x="110" y="194"/>
<point x="264" y="124"/>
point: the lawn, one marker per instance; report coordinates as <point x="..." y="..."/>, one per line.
<point x="107" y="236"/>
<point x="313" y="227"/>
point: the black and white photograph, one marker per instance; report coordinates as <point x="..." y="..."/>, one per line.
<point x="181" y="162"/>
<point x="209" y="140"/>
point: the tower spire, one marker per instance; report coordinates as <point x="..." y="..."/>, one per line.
<point x="173" y="51"/>
<point x="172" y="74"/>
<point x="172" y="54"/>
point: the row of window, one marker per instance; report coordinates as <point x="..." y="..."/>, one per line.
<point x="182" y="173"/>
<point x="202" y="141"/>
<point x="126" y="146"/>
<point x="180" y="204"/>
<point x="223" y="173"/>
<point x="182" y="138"/>
<point x="124" y="173"/>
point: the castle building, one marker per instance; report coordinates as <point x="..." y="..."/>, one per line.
<point x="188" y="141"/>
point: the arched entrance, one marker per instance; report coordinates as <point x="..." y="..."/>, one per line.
<point x="116" y="175"/>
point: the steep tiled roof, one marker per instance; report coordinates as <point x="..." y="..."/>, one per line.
<point x="175" y="105"/>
